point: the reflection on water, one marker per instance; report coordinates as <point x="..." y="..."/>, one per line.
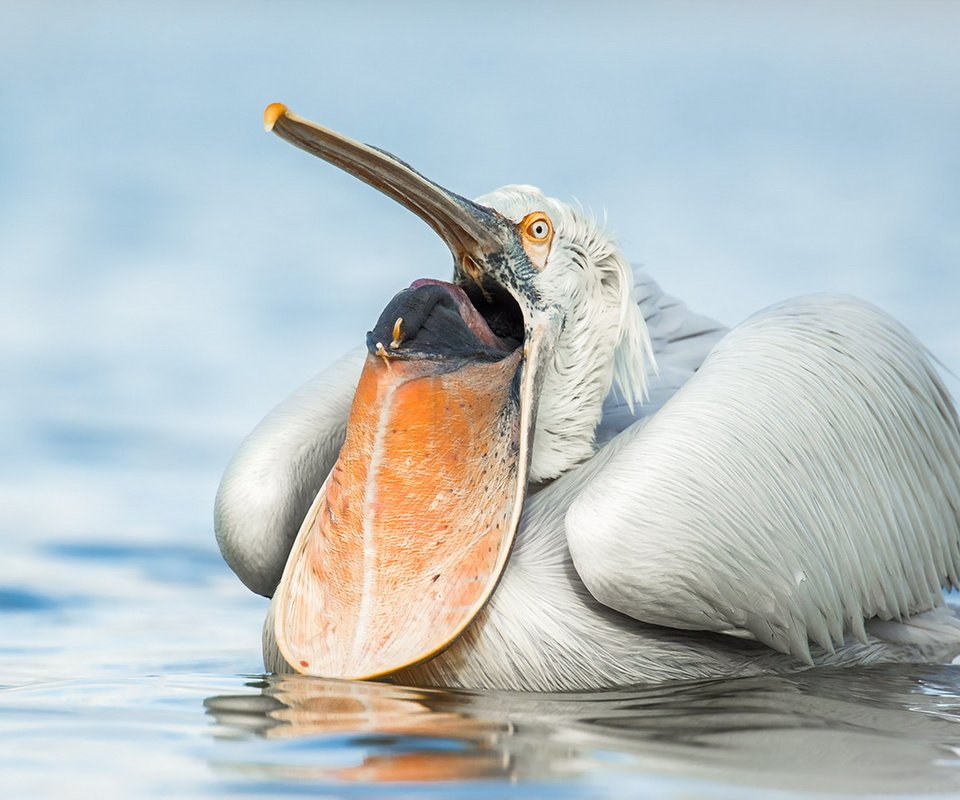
<point x="885" y="729"/>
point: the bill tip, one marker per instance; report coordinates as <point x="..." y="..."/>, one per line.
<point x="271" y="114"/>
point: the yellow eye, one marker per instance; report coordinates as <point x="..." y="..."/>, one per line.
<point x="536" y="236"/>
<point x="537" y="227"/>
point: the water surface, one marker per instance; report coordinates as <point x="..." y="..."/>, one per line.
<point x="170" y="272"/>
<point x="890" y="730"/>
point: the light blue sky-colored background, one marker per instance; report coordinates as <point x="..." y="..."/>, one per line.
<point x="169" y="271"/>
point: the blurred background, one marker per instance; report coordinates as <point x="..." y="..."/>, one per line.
<point x="170" y="271"/>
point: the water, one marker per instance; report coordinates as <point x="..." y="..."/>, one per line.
<point x="870" y="731"/>
<point x="170" y="272"/>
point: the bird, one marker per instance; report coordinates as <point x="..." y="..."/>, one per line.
<point x="548" y="474"/>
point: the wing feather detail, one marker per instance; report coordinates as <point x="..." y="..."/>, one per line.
<point x="681" y="340"/>
<point x="806" y="478"/>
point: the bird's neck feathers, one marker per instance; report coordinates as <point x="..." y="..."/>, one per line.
<point x="604" y="341"/>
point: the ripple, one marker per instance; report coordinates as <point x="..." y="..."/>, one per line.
<point x="166" y="563"/>
<point x="799" y="732"/>
<point x="25" y="600"/>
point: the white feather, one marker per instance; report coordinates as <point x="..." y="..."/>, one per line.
<point x="681" y="341"/>
<point x="806" y="478"/>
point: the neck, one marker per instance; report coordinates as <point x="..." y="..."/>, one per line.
<point x="570" y="408"/>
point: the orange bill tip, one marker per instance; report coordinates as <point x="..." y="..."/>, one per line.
<point x="271" y="114"/>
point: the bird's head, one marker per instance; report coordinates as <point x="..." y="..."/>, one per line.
<point x="600" y="338"/>
<point x="475" y="387"/>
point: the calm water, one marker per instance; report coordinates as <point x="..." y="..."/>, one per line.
<point x="889" y="731"/>
<point x="169" y="272"/>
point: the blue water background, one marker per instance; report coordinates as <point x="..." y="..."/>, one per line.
<point x="170" y="272"/>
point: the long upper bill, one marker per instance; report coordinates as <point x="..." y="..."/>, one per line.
<point x="468" y="229"/>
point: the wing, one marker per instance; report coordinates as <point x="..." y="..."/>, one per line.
<point x="805" y="478"/>
<point x="277" y="471"/>
<point x="681" y="341"/>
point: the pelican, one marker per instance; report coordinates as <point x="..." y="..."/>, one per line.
<point x="548" y="474"/>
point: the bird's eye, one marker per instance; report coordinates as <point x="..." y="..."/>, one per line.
<point x="536" y="236"/>
<point x="538" y="227"/>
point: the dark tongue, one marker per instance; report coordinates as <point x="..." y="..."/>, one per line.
<point x="437" y="318"/>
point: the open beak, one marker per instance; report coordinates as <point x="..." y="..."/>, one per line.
<point x="412" y="529"/>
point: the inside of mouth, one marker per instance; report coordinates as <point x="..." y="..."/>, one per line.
<point x="445" y="320"/>
<point x="499" y="309"/>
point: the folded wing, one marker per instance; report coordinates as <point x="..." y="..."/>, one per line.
<point x="807" y="477"/>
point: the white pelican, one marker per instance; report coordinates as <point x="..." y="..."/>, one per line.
<point x="492" y="494"/>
